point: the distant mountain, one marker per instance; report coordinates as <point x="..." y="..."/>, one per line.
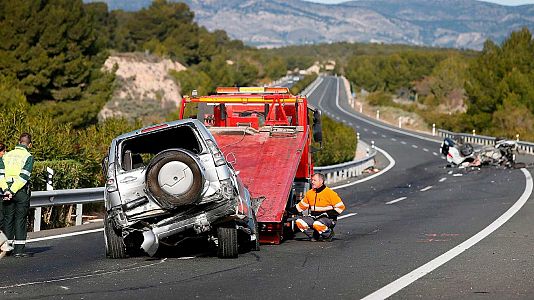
<point x="441" y="23"/>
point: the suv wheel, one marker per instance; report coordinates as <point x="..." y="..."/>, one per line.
<point x="175" y="179"/>
<point x="227" y="238"/>
<point x="115" y="247"/>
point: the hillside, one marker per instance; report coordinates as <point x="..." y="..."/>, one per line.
<point x="144" y="88"/>
<point x="451" y="23"/>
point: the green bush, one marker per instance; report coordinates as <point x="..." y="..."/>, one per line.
<point x="303" y="83"/>
<point x="68" y="174"/>
<point x="339" y="143"/>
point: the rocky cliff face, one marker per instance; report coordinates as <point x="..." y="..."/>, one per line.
<point x="442" y="23"/>
<point x="144" y="88"/>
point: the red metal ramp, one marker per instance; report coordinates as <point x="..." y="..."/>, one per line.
<point x="267" y="162"/>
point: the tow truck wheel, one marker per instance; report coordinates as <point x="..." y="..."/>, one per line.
<point x="115" y="247"/>
<point x="227" y="238"/>
<point x="174" y="178"/>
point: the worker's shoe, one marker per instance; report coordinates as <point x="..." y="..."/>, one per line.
<point x="329" y="236"/>
<point x="315" y="236"/>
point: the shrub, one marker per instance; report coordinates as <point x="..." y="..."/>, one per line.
<point x="339" y="143"/>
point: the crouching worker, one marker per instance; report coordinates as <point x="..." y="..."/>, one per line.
<point x="324" y="205"/>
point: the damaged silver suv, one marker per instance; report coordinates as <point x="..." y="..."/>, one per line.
<point x="170" y="182"/>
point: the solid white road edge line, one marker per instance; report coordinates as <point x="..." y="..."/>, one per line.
<point x="64" y="235"/>
<point x="443" y="179"/>
<point x="411" y="277"/>
<point x="391" y="164"/>
<point x="397" y="200"/>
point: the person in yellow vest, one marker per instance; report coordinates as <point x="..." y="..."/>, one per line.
<point x="324" y="205"/>
<point x="15" y="171"/>
<point x="4" y="245"/>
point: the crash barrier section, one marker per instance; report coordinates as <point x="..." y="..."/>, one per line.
<point x="79" y="197"/>
<point x="524" y="147"/>
<point x="346" y="170"/>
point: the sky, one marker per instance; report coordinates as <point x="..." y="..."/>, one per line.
<point x="502" y="2"/>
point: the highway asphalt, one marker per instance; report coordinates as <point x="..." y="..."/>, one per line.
<point x="419" y="230"/>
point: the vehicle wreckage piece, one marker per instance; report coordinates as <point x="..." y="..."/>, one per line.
<point x="460" y="154"/>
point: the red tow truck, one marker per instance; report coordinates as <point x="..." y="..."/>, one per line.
<point x="266" y="134"/>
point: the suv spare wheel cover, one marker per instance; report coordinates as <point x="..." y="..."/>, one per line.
<point x="175" y="178"/>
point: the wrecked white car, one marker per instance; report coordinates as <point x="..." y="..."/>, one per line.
<point x="170" y="182"/>
<point x="460" y="154"/>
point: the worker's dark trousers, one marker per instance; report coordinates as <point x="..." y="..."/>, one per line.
<point x="15" y="219"/>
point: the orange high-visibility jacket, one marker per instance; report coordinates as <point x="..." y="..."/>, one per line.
<point x="322" y="201"/>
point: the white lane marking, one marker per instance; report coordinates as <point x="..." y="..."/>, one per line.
<point x="53" y="237"/>
<point x="415" y="146"/>
<point x="394" y="139"/>
<point x="390" y="165"/>
<point x="425" y="149"/>
<point x="443" y="179"/>
<point x="81" y="276"/>
<point x="380" y="125"/>
<point x="411" y="277"/>
<point x="384" y="136"/>
<point x="350" y="123"/>
<point x="435" y="154"/>
<point x="396" y="200"/>
<point x="315" y="87"/>
<point x="374" y="132"/>
<point x="403" y="142"/>
<point x="457" y="175"/>
<point x="365" y="129"/>
<point x="425" y="189"/>
<point x="346" y="216"/>
<point x="358" y="126"/>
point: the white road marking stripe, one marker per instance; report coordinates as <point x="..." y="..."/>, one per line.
<point x="365" y="129"/>
<point x="53" y="237"/>
<point x="415" y="146"/>
<point x="411" y="277"/>
<point x="443" y="179"/>
<point x="397" y="200"/>
<point x="426" y="189"/>
<point x="350" y="123"/>
<point x="435" y="154"/>
<point x="403" y="142"/>
<point x="346" y="216"/>
<point x="374" y="132"/>
<point x="383" y="136"/>
<point x="394" y="139"/>
<point x="425" y="149"/>
<point x="391" y="164"/>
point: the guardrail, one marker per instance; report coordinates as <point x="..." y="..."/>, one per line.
<point x="344" y="171"/>
<point x="524" y="147"/>
<point x="79" y="197"/>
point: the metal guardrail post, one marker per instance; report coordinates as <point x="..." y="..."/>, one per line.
<point x="38" y="210"/>
<point x="79" y="213"/>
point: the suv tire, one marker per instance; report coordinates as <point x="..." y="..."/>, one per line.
<point x="115" y="247"/>
<point x="175" y="179"/>
<point x="227" y="238"/>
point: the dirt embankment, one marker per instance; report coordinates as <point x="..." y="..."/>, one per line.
<point x="144" y="89"/>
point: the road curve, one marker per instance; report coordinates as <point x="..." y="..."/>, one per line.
<point x="395" y="223"/>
